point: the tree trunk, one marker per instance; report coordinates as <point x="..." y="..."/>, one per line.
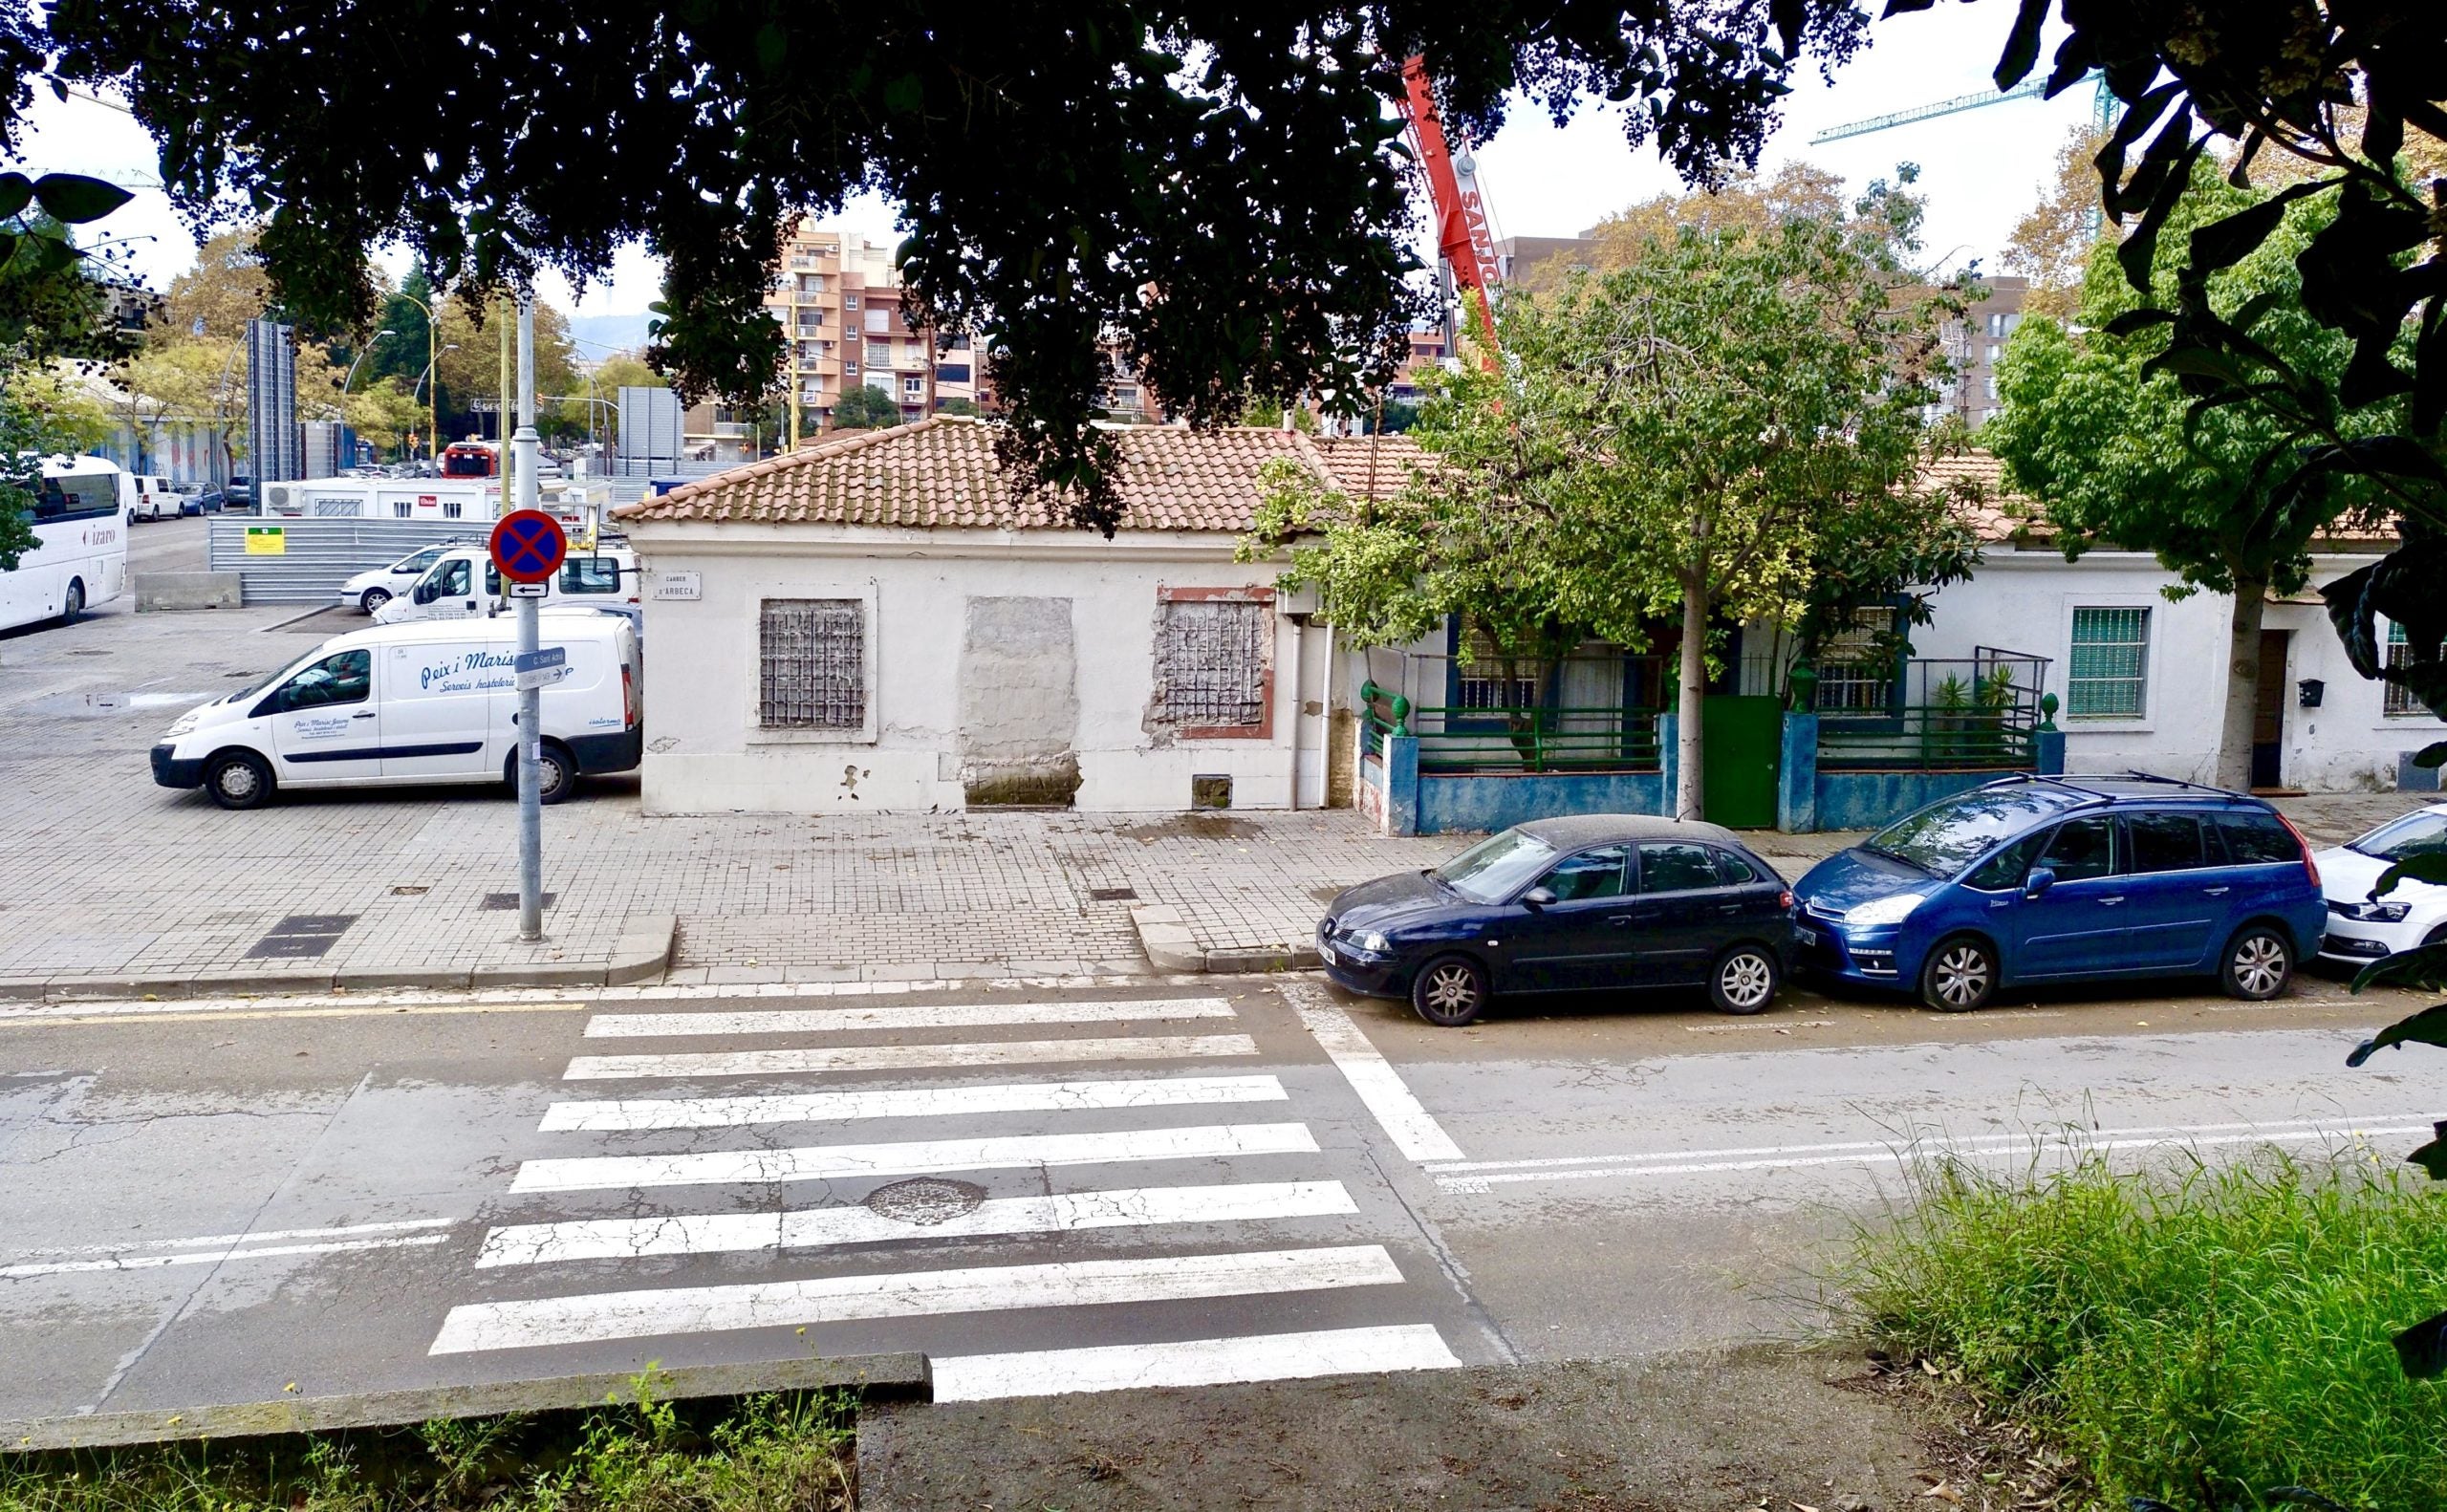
<point x="2242" y="684"/>
<point x="1689" y="793"/>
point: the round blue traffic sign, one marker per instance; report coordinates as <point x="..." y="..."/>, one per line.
<point x="527" y="546"/>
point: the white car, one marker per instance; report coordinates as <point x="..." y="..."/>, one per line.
<point x="2361" y="928"/>
<point x="462" y="583"/>
<point x="432" y="703"/>
<point x="371" y="591"/>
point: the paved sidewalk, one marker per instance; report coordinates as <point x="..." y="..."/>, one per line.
<point x="116" y="884"/>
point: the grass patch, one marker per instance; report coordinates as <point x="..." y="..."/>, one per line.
<point x="762" y="1454"/>
<point x="2199" y="1337"/>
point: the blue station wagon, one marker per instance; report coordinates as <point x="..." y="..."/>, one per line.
<point x="2036" y="880"/>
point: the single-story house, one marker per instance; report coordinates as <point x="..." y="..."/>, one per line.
<point x="882" y="622"/>
<point x="2142" y="678"/>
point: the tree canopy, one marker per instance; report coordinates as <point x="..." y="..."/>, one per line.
<point x="863" y="406"/>
<point x="1214" y="185"/>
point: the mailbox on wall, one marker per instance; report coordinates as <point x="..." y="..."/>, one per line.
<point x="2307" y="692"/>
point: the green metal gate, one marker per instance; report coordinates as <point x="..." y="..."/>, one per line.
<point x="1744" y="739"/>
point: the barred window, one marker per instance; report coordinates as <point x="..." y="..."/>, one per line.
<point x="1857" y="663"/>
<point x="2109" y="679"/>
<point x="811" y="663"/>
<point x="2399" y="702"/>
<point x="1211" y="663"/>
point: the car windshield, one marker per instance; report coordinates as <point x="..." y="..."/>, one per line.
<point x="1498" y="866"/>
<point x="1951" y="834"/>
<point x="2423" y="834"/>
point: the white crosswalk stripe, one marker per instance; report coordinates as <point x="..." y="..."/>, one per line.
<point x="956" y="1223"/>
<point x="904" y="1057"/>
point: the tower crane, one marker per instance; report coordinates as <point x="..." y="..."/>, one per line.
<point x="2104" y="109"/>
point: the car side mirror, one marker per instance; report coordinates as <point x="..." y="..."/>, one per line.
<point x="1539" y="897"/>
<point x="2038" y="882"/>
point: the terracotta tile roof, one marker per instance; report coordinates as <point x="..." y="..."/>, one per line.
<point x="1998" y="513"/>
<point x="940" y="472"/>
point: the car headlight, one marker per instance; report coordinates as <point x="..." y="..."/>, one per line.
<point x="1373" y="941"/>
<point x="184" y="724"/>
<point x="1884" y="910"/>
<point x="2373" y="913"/>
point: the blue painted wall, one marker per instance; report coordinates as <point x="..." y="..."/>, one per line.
<point x="1870" y="800"/>
<point x="1496" y="803"/>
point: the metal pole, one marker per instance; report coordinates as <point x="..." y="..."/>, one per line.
<point x="531" y="701"/>
<point x="501" y="413"/>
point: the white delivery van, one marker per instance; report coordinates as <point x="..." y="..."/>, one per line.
<point x="157" y="498"/>
<point x="462" y="584"/>
<point x="370" y="590"/>
<point x="431" y="702"/>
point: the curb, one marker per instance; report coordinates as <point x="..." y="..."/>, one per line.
<point x="642" y="953"/>
<point x="1170" y="948"/>
<point x="907" y="1376"/>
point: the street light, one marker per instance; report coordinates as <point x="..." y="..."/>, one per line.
<point x="361" y="356"/>
<point x="432" y="425"/>
<point x="432" y="438"/>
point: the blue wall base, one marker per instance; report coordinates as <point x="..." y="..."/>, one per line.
<point x="1871" y="800"/>
<point x="1497" y="803"/>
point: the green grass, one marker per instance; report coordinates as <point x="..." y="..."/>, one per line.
<point x="761" y="1454"/>
<point x="2198" y="1337"/>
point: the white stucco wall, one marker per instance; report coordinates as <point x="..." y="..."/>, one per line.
<point x="706" y="753"/>
<point x="2024" y="601"/>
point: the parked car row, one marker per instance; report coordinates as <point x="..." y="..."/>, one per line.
<point x="158" y="498"/>
<point x="2023" y="881"/>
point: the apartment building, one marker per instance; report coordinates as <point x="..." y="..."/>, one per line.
<point x="839" y="298"/>
<point x="1973" y="345"/>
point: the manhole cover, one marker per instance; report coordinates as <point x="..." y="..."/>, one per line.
<point x="1113" y="895"/>
<point x="924" y="1200"/>
<point x="406" y="891"/>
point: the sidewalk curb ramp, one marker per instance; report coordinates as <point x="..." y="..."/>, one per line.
<point x="904" y="1378"/>
<point x="1170" y="947"/>
<point x="641" y="953"/>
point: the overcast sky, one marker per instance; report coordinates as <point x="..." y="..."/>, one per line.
<point x="1981" y="168"/>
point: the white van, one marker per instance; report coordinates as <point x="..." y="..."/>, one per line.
<point x="429" y="703"/>
<point x="463" y="583"/>
<point x="371" y="590"/>
<point x="155" y="497"/>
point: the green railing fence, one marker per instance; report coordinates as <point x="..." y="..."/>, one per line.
<point x="1980" y="712"/>
<point x="1519" y="735"/>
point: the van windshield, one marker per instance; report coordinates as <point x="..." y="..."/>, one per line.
<point x="1951" y="834"/>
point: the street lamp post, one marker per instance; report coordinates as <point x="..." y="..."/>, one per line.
<point x="431" y="451"/>
<point x="432" y="328"/>
<point x="368" y="351"/>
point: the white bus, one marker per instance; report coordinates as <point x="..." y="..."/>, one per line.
<point x="79" y="557"/>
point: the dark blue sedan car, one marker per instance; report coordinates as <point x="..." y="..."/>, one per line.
<point x="2067" y="878"/>
<point x="1588" y="903"/>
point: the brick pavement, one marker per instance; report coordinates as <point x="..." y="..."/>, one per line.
<point x="109" y="876"/>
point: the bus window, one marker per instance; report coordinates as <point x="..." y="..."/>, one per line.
<point x="76" y="496"/>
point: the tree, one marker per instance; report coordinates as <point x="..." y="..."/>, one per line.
<point x="49" y="305"/>
<point x="1898" y="548"/>
<point x="39" y="415"/>
<point x="2051" y="245"/>
<point x="227" y="288"/>
<point x="472" y="374"/>
<point x="963" y="409"/>
<point x="864" y="407"/>
<point x="382" y="412"/>
<point x="2090" y="427"/>
<point x="1058" y="162"/>
<point x="1746" y="203"/>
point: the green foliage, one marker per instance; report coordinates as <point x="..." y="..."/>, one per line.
<point x="2205" y="1333"/>
<point x="960" y="408"/>
<point x="48" y="303"/>
<point x="768" y="1454"/>
<point x="1240" y="161"/>
<point x="38" y="416"/>
<point x="864" y="407"/>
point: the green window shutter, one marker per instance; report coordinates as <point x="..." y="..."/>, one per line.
<point x="2109" y="679"/>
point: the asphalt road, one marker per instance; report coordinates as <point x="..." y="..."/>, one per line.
<point x="1042" y="1187"/>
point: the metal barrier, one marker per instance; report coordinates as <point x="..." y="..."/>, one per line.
<point x="304" y="560"/>
<point x="1929" y="714"/>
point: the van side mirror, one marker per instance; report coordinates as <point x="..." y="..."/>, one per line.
<point x="1539" y="897"/>
<point x="426" y="591"/>
<point x="2038" y="882"/>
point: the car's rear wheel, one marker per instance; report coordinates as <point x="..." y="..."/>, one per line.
<point x="1450" y="991"/>
<point x="2258" y="963"/>
<point x="73" y="603"/>
<point x="1960" y="975"/>
<point x="239" y="780"/>
<point x="1744" y="981"/>
<point x="374" y="598"/>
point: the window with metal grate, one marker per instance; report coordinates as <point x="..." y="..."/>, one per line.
<point x="2110" y="664"/>
<point x="1211" y="663"/>
<point x="811" y="664"/>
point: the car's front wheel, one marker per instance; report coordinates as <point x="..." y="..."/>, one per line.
<point x="239" y="780"/>
<point x="1743" y="981"/>
<point x="1960" y="975"/>
<point x="1450" y="991"/>
<point x="374" y="598"/>
<point x="2259" y="962"/>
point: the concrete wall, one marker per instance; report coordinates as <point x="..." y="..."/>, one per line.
<point x="991" y="653"/>
<point x="1499" y="802"/>
<point x="2024" y="601"/>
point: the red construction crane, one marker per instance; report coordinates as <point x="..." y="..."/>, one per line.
<point x="1461" y="235"/>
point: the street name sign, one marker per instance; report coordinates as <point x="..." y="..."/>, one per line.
<point x="541" y="668"/>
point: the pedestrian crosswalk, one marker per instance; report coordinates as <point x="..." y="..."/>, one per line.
<point x="1118" y="1219"/>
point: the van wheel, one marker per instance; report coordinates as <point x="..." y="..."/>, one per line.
<point x="1961" y="975"/>
<point x="73" y="603"/>
<point x="555" y="775"/>
<point x="1744" y="981"/>
<point x="1450" y="992"/>
<point x="2258" y="963"/>
<point x="239" y="780"/>
<point x="374" y="599"/>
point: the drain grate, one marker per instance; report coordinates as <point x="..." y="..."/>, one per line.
<point x="495" y="902"/>
<point x="301" y="937"/>
<point x="925" y="1200"/>
<point x="1113" y="895"/>
<point x="408" y="890"/>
